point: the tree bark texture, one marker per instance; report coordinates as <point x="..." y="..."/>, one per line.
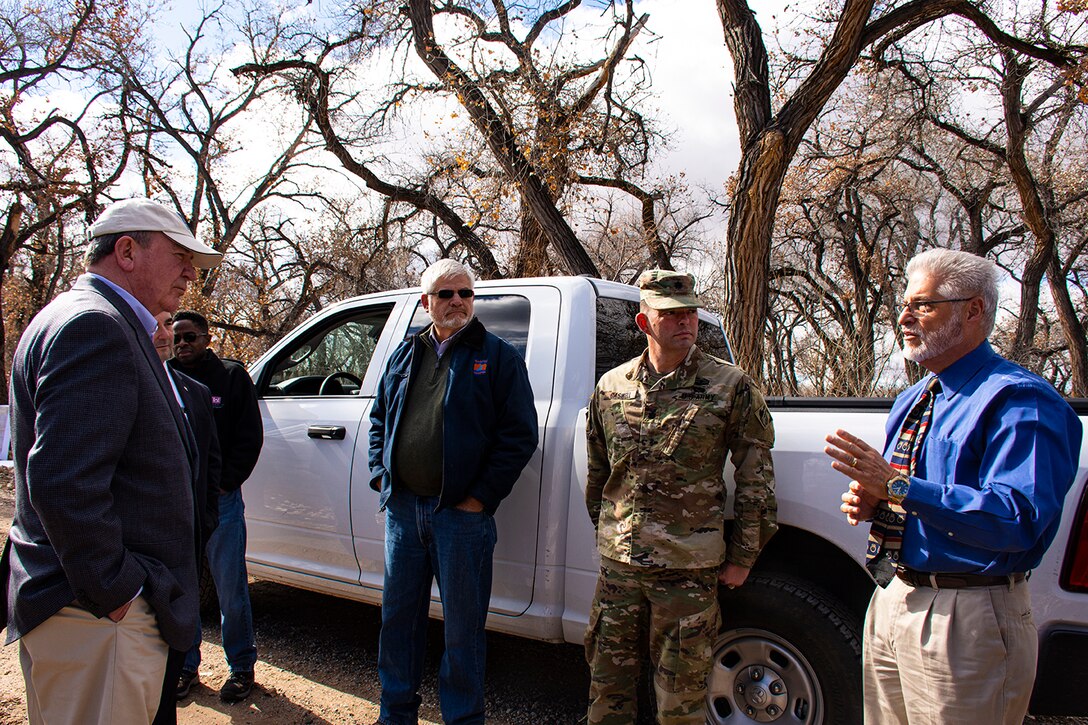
<point x="1044" y="256"/>
<point x="768" y="143"/>
<point x="500" y="139"/>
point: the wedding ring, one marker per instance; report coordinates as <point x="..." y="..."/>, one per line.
<point x="854" y="464"/>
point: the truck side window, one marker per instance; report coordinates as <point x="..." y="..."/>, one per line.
<point x="619" y="339"/>
<point x="332" y="360"/>
<point x="504" y="315"/>
<point x="711" y="340"/>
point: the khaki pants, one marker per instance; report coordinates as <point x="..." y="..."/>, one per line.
<point x="949" y="656"/>
<point x="81" y="669"/>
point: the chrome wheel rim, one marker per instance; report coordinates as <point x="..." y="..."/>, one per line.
<point x="758" y="677"/>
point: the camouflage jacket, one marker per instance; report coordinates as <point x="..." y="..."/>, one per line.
<point x="656" y="491"/>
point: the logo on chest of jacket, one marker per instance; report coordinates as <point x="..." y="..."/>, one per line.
<point x="479" y="367"/>
<point x="217" y="401"/>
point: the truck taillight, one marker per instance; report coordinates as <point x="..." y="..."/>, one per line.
<point x="1075" y="571"/>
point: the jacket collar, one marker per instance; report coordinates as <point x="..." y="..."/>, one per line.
<point x="682" y="377"/>
<point x="129" y="304"/>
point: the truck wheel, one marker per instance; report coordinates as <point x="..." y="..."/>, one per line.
<point x="789" y="653"/>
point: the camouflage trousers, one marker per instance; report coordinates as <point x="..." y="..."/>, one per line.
<point x="681" y="609"/>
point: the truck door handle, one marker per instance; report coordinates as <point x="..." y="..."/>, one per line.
<point x="327" y="432"/>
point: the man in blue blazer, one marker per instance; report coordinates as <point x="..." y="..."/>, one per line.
<point x="102" y="571"/>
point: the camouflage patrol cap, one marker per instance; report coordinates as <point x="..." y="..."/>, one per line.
<point x="665" y="290"/>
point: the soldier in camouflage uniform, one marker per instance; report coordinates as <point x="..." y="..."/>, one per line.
<point x="660" y="427"/>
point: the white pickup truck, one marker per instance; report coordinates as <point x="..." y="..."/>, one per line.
<point x="794" y="628"/>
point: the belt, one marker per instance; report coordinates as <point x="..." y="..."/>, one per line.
<point x="956" y="581"/>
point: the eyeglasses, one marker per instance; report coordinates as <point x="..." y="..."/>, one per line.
<point x="925" y="307"/>
<point x="189" y="337"/>
<point x="447" y="294"/>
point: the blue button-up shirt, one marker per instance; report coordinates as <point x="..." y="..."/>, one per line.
<point x="999" y="458"/>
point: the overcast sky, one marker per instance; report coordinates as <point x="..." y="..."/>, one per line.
<point x="691" y="78"/>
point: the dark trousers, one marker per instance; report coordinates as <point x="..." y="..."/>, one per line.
<point x="168" y="704"/>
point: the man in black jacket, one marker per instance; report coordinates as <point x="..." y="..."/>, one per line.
<point x="196" y="405"/>
<point x="238" y="422"/>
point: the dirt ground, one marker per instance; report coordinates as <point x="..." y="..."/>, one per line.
<point x="283" y="695"/>
<point x="318" y="666"/>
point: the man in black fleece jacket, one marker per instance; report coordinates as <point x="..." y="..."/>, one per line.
<point x="238" y="422"/>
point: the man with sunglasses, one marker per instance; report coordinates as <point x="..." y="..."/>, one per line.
<point x="965" y="500"/>
<point x="452" y="425"/>
<point x="241" y="435"/>
<point x="196" y="405"/>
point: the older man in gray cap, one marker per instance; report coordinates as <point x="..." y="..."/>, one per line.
<point x="101" y="571"/>
<point x="659" y="429"/>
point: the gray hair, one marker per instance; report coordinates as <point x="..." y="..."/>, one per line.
<point x="103" y="246"/>
<point x="961" y="274"/>
<point x="440" y="270"/>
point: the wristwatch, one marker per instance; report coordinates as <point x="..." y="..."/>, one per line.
<point x="897" y="487"/>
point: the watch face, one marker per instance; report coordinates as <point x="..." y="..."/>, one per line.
<point x="897" y="487"/>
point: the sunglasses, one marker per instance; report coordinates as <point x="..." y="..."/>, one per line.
<point x="447" y="294"/>
<point x="189" y="337"/>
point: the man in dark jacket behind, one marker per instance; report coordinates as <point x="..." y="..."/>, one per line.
<point x="452" y="426"/>
<point x="241" y="434"/>
<point x="196" y="405"/>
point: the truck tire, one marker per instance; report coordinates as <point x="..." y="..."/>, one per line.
<point x="787" y="653"/>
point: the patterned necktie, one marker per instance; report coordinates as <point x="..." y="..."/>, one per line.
<point x="886" y="533"/>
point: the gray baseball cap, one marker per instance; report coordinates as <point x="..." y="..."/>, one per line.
<point x="145" y="215"/>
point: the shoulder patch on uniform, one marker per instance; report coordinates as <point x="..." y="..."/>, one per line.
<point x="764" y="416"/>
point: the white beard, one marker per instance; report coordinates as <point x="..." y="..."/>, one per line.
<point x="934" y="343"/>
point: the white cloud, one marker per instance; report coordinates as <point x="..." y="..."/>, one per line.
<point x="693" y="79"/>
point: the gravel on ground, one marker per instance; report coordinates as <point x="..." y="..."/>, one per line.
<point x="318" y="666"/>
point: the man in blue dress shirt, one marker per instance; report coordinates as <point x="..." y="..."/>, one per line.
<point x="979" y="493"/>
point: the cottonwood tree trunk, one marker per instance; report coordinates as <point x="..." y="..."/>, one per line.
<point x="770" y="140"/>
<point x="1037" y="216"/>
<point x="768" y="143"/>
<point x="8" y="241"/>
<point x="500" y="140"/>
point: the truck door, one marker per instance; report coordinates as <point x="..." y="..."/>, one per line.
<point x="526" y="316"/>
<point x="315" y="392"/>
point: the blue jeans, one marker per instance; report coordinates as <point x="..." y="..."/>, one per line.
<point x="227" y="563"/>
<point x="455" y="547"/>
